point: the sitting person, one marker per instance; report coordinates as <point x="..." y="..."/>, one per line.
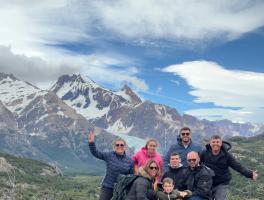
<point x="175" y="171"/>
<point x="142" y="188"/>
<point x="169" y="193"/>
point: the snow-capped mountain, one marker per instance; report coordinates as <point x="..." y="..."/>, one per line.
<point x="88" y="98"/>
<point x="7" y="119"/>
<point x="127" y="93"/>
<point x="52" y="125"/>
<point x="17" y="94"/>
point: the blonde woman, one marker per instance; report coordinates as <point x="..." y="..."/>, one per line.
<point x="142" y="188"/>
<point x="117" y="162"/>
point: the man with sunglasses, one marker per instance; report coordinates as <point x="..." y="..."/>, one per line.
<point x="183" y="146"/>
<point x="197" y="178"/>
<point x="217" y="157"/>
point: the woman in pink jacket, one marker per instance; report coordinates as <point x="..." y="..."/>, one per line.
<point x="147" y="153"/>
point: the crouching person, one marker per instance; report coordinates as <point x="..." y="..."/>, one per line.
<point x="142" y="187"/>
<point x="169" y="193"/>
<point x="198" y="178"/>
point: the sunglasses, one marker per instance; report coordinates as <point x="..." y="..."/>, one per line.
<point x="119" y="145"/>
<point x="191" y="160"/>
<point x="187" y="134"/>
<point x="152" y="168"/>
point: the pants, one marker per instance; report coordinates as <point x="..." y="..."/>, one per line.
<point x="195" y="198"/>
<point x="220" y="192"/>
<point x="106" y="193"/>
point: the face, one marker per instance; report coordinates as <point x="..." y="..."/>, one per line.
<point x="216" y="144"/>
<point x="175" y="161"/>
<point x="153" y="170"/>
<point x="168" y="187"/>
<point x="185" y="136"/>
<point x="193" y="160"/>
<point x="151" y="147"/>
<point x="119" y="147"/>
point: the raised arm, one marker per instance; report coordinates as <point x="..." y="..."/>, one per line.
<point x="96" y="153"/>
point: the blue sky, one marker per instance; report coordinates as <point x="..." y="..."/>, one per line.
<point x="202" y="58"/>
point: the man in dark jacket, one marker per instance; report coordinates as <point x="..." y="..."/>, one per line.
<point x="183" y="146"/>
<point x="198" y="178"/>
<point x="217" y="157"/>
<point x="175" y="171"/>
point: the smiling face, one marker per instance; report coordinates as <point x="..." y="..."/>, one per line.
<point x="153" y="169"/>
<point x="175" y="161"/>
<point x="151" y="147"/>
<point x="185" y="136"/>
<point x="216" y="144"/>
<point x="119" y="147"/>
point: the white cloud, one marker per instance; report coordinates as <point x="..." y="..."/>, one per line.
<point x="34" y="31"/>
<point x="29" y="25"/>
<point x="212" y="83"/>
<point x="176" y="82"/>
<point x="111" y="69"/>
<point x="175" y="20"/>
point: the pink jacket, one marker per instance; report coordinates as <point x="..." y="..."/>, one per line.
<point x="141" y="158"/>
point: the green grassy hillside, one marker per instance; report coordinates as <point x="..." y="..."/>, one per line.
<point x="250" y="152"/>
<point x="26" y="179"/>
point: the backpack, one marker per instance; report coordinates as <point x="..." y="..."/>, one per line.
<point x="123" y="185"/>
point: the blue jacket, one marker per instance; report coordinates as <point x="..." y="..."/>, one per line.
<point x="115" y="165"/>
<point x="182" y="151"/>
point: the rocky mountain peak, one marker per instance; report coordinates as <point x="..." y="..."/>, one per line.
<point x="64" y="79"/>
<point x="130" y="95"/>
<point x="6" y="76"/>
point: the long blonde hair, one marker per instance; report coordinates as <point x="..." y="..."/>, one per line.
<point x="147" y="167"/>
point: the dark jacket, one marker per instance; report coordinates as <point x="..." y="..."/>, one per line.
<point x="182" y="151"/>
<point x="220" y="164"/>
<point x="141" y="188"/>
<point x="115" y="165"/>
<point x="176" y="174"/>
<point x="199" y="181"/>
<point x="174" y="195"/>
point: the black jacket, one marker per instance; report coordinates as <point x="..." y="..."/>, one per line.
<point x="220" y="164"/>
<point x="199" y="181"/>
<point x="141" y="188"/>
<point x="176" y="174"/>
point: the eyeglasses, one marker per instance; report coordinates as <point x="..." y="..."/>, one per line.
<point x="191" y="160"/>
<point x="187" y="134"/>
<point x="119" y="145"/>
<point x="152" y="168"/>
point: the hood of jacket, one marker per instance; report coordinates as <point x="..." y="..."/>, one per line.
<point x="226" y="146"/>
<point x="143" y="173"/>
<point x="145" y="152"/>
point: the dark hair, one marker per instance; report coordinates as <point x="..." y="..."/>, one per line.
<point x="174" y="154"/>
<point x="216" y="137"/>
<point x="185" y="128"/>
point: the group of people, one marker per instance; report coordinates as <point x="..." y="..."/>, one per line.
<point x="187" y="171"/>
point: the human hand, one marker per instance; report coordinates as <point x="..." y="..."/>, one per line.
<point x="91" y="137"/>
<point x="183" y="194"/>
<point x="255" y="175"/>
